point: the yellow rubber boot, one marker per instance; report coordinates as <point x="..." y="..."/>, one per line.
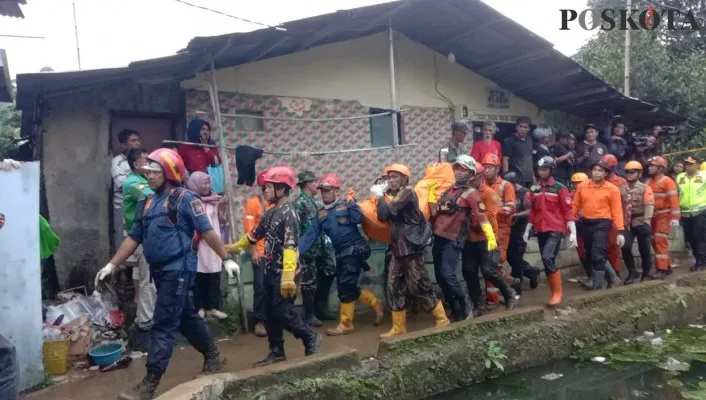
<point x="440" y="315"/>
<point x="369" y="299"/>
<point x="345" y="326"/>
<point x="399" y="324"/>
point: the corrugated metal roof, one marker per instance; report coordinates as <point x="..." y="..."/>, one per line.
<point x="11" y="8"/>
<point x="482" y="39"/>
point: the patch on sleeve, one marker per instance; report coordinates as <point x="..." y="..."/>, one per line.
<point x="197" y="208"/>
<point x="341" y="207"/>
<point x="322" y="213"/>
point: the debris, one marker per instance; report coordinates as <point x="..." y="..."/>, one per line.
<point x="551" y="377"/>
<point x="637" y="393"/>
<point x="599" y="359"/>
<point x="657" y="341"/>
<point x="573" y="280"/>
<point x="94" y="368"/>
<point x="672" y="364"/>
<point x="122" y="363"/>
<point x="648" y="334"/>
<point x="136" y="354"/>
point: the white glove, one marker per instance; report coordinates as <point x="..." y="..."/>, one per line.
<point x="104" y="272"/>
<point x="674" y="223"/>
<point x="379" y="189"/>
<point x="8" y="164"/>
<point x="572" y="234"/>
<point x="232" y="268"/>
<point x="621" y="240"/>
<point x="525" y="237"/>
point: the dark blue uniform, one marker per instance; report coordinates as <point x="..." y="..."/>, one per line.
<point x="339" y="222"/>
<point x="165" y="224"/>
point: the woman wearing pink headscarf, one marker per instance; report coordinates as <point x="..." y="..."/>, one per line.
<point x="207" y="287"/>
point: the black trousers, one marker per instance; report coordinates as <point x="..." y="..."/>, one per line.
<point x="516" y="256"/>
<point x="280" y="314"/>
<point x="643" y="233"/>
<point x="323" y="287"/>
<point x="475" y="256"/>
<point x="258" y="306"/>
<point x="446" y="255"/>
<point x="695" y="232"/>
<point x="549" y="245"/>
<point x="595" y="239"/>
<point x="207" y="291"/>
<point x="348" y="270"/>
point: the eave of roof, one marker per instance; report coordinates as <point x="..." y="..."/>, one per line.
<point x="11" y="8"/>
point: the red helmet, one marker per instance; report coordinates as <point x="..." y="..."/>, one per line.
<point x="330" y="181"/>
<point x="168" y="161"/>
<point x="282" y="174"/>
<point x="261" y="178"/>
<point x="491" y="159"/>
<point x="610" y="160"/>
<point x="658" y="161"/>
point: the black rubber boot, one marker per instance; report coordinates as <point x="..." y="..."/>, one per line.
<point x="312" y="345"/>
<point x="533" y="274"/>
<point x="659" y="274"/>
<point x="143" y="390"/>
<point x="212" y="361"/>
<point x="309" y="310"/>
<point x="510" y="299"/>
<point x="465" y="309"/>
<point x="517" y="285"/>
<point x="276" y="355"/>
<point x="612" y="277"/>
<point x="632" y="277"/>
<point x="596" y="282"/>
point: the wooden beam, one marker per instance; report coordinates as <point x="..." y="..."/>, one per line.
<point x="513" y="61"/>
<point x="549" y="79"/>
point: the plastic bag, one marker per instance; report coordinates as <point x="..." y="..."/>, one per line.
<point x="372" y="226"/>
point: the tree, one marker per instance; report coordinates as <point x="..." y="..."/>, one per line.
<point x="10" y="122"/>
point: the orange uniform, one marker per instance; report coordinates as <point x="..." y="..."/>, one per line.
<point x="506" y="192"/>
<point x="255" y="208"/>
<point x="614" y="250"/>
<point x="599" y="201"/>
<point x="666" y="210"/>
<point x="491" y="203"/>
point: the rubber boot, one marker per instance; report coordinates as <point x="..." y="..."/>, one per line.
<point x="517" y="285"/>
<point x="533" y="274"/>
<point x="554" y="279"/>
<point x="399" y="324"/>
<point x="465" y="309"/>
<point x="369" y="299"/>
<point x="322" y="311"/>
<point x="632" y="277"/>
<point x="345" y="325"/>
<point x="440" y="315"/>
<point x="596" y="282"/>
<point x="276" y="355"/>
<point x="312" y="346"/>
<point x="611" y="277"/>
<point x="143" y="390"/>
<point x="510" y="299"/>
<point x="212" y="361"/>
<point x="309" y="309"/>
<point x="659" y="274"/>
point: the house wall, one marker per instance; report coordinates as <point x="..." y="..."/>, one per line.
<point x="358" y="70"/>
<point x="76" y="167"/>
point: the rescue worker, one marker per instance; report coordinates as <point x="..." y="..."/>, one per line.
<point x="639" y="224"/>
<point x="280" y="229"/>
<point x="481" y="252"/>
<point x="550" y="216"/>
<point x="599" y="205"/>
<point x="577" y="179"/>
<point x="407" y="278"/>
<point x="506" y="192"/>
<point x="450" y="215"/>
<point x="517" y="247"/>
<point x="164" y="225"/>
<point x="255" y="208"/>
<point x="666" y="214"/>
<point x="306" y="206"/>
<point x="626" y="202"/>
<point x="339" y="219"/>
<point x="692" y="200"/>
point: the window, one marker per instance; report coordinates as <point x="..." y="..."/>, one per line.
<point x="381" y="128"/>
<point x="247" y="123"/>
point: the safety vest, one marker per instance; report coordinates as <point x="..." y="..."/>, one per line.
<point x="692" y="193"/>
<point x="638" y="197"/>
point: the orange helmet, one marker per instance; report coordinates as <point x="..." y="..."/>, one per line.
<point x="261" y="178"/>
<point x="491" y="159"/>
<point x="633" y="165"/>
<point x="658" y="161"/>
<point x="610" y="160"/>
<point x="579" y="177"/>
<point x="169" y="161"/>
<point x="283" y="174"/>
<point x="401" y="168"/>
<point x="330" y="181"/>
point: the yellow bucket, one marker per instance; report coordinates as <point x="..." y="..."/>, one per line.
<point x="56" y="356"/>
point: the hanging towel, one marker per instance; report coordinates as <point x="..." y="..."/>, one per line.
<point x="245" y="159"/>
<point x="48" y="241"/>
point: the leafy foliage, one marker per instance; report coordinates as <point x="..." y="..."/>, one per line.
<point x="494" y="356"/>
<point x="10" y="121"/>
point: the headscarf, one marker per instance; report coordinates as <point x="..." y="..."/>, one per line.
<point x="193" y="133"/>
<point x="196" y="180"/>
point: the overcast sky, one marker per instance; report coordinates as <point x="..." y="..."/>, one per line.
<point x="112" y="33"/>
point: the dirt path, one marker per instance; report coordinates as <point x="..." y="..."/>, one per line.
<point x="243" y="350"/>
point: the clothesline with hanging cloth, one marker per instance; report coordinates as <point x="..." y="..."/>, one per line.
<point x="382" y="114"/>
<point x="301" y="153"/>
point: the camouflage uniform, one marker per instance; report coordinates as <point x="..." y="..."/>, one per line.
<point x="316" y="259"/>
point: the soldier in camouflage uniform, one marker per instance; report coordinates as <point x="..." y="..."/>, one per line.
<point x="306" y="206"/>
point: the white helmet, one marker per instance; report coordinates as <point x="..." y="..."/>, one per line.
<point x="466" y="161"/>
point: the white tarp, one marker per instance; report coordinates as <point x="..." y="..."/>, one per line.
<point x="20" y="270"/>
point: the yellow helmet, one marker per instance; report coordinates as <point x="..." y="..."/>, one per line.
<point x="703" y="166"/>
<point x="579" y="177"/>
